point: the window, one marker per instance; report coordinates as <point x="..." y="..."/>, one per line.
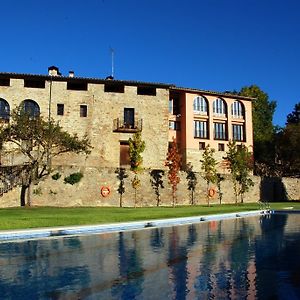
<point x="200" y="129"/>
<point x="221" y="147"/>
<point x="77" y="86"/>
<point x="124" y="154"/>
<point x="114" y="88"/>
<point x="31" y="108"/>
<point x="200" y="105"/>
<point x="201" y="146"/>
<point x="219" y="107"/>
<point x="174" y="107"/>
<point x="60" y="109"/>
<point x="4" y="110"/>
<point x="4" y="81"/>
<point x="145" y="90"/>
<point x="238" y="132"/>
<point x="34" y="83"/>
<point x="129" y="117"/>
<point x="219" y="131"/>
<point x="237" y="110"/>
<point x="174" y="125"/>
<point x="83" y="111"/>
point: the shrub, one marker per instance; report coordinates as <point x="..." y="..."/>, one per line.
<point x="73" y="178"/>
<point x="56" y="176"/>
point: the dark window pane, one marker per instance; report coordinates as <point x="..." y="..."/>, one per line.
<point x="60" y="109"/>
<point x="83" y="111"/>
<point x="129" y="117"/>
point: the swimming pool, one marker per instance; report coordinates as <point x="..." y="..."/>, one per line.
<point x="243" y="258"/>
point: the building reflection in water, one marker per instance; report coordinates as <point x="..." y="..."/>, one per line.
<point x="251" y="258"/>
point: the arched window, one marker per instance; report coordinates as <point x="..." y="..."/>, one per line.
<point x="200" y="105"/>
<point x="31" y="108"/>
<point x="237" y="109"/>
<point x="4" y="110"/>
<point x="219" y="107"/>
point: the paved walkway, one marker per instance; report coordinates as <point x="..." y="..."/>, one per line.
<point x="9" y="235"/>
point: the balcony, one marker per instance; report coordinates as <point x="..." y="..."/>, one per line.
<point x="121" y="126"/>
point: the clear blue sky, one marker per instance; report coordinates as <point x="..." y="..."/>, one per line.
<point x="207" y="44"/>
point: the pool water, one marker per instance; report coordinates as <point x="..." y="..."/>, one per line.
<point x="243" y="258"/>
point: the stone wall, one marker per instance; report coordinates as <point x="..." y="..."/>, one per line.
<point x="87" y="192"/>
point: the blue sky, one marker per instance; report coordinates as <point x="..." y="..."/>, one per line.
<point x="207" y="44"/>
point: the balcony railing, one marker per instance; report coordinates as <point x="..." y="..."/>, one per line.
<point x="121" y="126"/>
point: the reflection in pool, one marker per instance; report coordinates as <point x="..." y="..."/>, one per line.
<point x="245" y="258"/>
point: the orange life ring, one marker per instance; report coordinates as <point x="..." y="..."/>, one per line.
<point x="211" y="192"/>
<point x="105" y="191"/>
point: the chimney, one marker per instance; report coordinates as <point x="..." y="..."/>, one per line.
<point x="71" y="74"/>
<point x="53" y="71"/>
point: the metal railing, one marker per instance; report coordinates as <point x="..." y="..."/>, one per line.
<point x="119" y="125"/>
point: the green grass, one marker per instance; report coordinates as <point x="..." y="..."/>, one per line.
<point x="21" y="217"/>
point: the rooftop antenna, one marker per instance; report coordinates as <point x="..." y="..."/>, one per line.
<point x="112" y="52"/>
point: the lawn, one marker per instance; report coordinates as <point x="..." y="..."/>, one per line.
<point x="21" y="217"/>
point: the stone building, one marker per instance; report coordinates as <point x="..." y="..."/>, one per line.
<point x="109" y="111"/>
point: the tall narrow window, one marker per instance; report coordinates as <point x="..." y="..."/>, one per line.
<point x="237" y="110"/>
<point x="83" y="111"/>
<point x="200" y="105"/>
<point x="200" y="129"/>
<point x="219" y="107"/>
<point x="220" y="131"/>
<point x="174" y="105"/>
<point x="60" y="109"/>
<point x="129" y="117"/>
<point x="238" y="132"/>
<point x="4" y="110"/>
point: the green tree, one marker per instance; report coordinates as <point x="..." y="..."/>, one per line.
<point x="208" y="167"/>
<point x="135" y="183"/>
<point x="263" y="131"/>
<point x="192" y="181"/>
<point x="240" y="165"/>
<point x="288" y="149"/>
<point x="136" y="148"/>
<point x="173" y="162"/>
<point x="294" y="116"/>
<point x="121" y="175"/>
<point x="219" y="180"/>
<point x="157" y="183"/>
<point x="288" y="145"/>
<point x="38" y="142"/>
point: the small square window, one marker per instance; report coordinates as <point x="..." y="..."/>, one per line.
<point x="201" y="145"/>
<point x="83" y="111"/>
<point x="60" y="109"/>
<point x="221" y="147"/>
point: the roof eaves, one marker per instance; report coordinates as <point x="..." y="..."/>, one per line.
<point x="214" y="93"/>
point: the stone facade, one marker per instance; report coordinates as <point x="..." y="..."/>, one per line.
<point x="87" y="192"/>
